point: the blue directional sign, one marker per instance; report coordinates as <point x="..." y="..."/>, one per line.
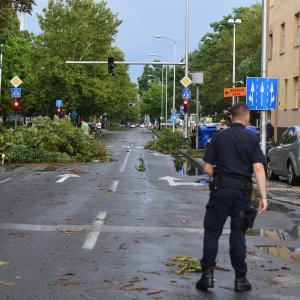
<point x="59" y="103"/>
<point x="186" y="94"/>
<point x="173" y="117"/>
<point x="262" y="93"/>
<point x="16" y="93"/>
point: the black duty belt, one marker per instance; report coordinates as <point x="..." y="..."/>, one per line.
<point x="219" y="182"/>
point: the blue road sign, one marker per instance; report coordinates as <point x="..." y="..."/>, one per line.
<point x="16" y="93"/>
<point x="186" y="94"/>
<point x="181" y="108"/>
<point x="173" y="118"/>
<point x="262" y="93"/>
<point x="59" y="103"/>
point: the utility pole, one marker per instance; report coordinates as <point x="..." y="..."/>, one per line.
<point x="264" y="73"/>
<point x="186" y="115"/>
<point x="197" y="79"/>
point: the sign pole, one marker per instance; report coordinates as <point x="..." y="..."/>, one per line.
<point x="197" y="117"/>
<point x="264" y="73"/>
<point x="186" y="60"/>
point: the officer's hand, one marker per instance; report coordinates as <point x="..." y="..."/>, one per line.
<point x="263" y="205"/>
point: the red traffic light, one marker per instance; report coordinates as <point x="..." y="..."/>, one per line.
<point x="16" y="104"/>
<point x="185" y="105"/>
<point x="58" y="109"/>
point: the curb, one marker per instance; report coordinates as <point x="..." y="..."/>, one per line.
<point x="197" y="161"/>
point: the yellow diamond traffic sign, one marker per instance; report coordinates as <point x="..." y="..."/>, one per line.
<point x="186" y="81"/>
<point x="16" y="81"/>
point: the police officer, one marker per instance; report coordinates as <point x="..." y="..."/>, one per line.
<point x="230" y="160"/>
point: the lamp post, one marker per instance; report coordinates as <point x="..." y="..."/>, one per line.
<point x="1" y="63"/>
<point x="174" y="70"/>
<point x="234" y="22"/>
<point x="166" y="112"/>
<point x="162" y="93"/>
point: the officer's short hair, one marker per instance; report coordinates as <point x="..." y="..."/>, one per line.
<point x="239" y="109"/>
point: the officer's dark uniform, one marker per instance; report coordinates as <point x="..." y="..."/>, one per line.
<point x="233" y="152"/>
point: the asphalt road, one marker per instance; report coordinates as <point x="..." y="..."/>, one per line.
<point x="109" y="231"/>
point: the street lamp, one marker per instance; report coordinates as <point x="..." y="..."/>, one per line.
<point x="174" y="74"/>
<point x="162" y="94"/>
<point x="166" y="112"/>
<point x="234" y="22"/>
<point x="1" y="65"/>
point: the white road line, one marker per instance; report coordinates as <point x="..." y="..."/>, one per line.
<point x="122" y="169"/>
<point x="99" y="226"/>
<point x="92" y="237"/>
<point x="114" y="186"/>
<point x="5" y="180"/>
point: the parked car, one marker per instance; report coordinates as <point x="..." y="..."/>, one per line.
<point x="132" y="125"/>
<point x="142" y="126"/>
<point x="284" y="158"/>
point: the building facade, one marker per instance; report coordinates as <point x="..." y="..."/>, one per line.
<point x="284" y="60"/>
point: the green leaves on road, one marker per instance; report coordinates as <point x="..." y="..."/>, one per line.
<point x="185" y="264"/>
<point x="141" y="167"/>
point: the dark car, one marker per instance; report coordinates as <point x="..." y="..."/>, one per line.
<point x="284" y="158"/>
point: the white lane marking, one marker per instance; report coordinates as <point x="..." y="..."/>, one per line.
<point x="5" y="180"/>
<point x="32" y="227"/>
<point x="126" y="147"/>
<point x="140" y="147"/>
<point x="99" y="226"/>
<point x="156" y="154"/>
<point x="65" y="177"/>
<point x="92" y="237"/>
<point x="114" y="186"/>
<point x="122" y="169"/>
<point x="171" y="181"/>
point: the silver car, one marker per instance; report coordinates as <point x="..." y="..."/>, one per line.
<point x="284" y="158"/>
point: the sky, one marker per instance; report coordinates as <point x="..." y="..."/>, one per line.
<point x="144" y="18"/>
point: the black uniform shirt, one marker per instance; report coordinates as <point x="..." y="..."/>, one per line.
<point x="233" y="151"/>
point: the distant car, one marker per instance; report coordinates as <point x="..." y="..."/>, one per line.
<point x="284" y="158"/>
<point x="142" y="126"/>
<point x="132" y="125"/>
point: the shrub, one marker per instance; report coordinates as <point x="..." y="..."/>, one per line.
<point x="168" y="142"/>
<point x="50" y="141"/>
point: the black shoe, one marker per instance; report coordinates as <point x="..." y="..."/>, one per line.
<point x="241" y="283"/>
<point x="206" y="281"/>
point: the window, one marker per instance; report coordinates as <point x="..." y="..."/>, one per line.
<point x="282" y="139"/>
<point x="296" y="93"/>
<point x="290" y="137"/>
<point x="282" y="38"/>
<point x="297" y="30"/>
<point x="285" y="100"/>
<point x="270" y="45"/>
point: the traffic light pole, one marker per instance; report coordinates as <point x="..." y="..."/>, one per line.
<point x="186" y="115"/>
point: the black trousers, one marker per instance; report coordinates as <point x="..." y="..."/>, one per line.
<point x="224" y="203"/>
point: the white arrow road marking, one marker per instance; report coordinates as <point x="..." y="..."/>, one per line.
<point x="92" y="237"/>
<point x="272" y="93"/>
<point x="65" y="177"/>
<point x="171" y="181"/>
<point x="5" y="180"/>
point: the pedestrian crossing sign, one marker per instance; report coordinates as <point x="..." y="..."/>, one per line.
<point x="16" y="93"/>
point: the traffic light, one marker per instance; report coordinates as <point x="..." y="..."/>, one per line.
<point x="185" y="105"/>
<point x="111" y="65"/>
<point x="16" y="106"/>
<point x="58" y="109"/>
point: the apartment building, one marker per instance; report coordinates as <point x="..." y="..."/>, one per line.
<point x="284" y="60"/>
